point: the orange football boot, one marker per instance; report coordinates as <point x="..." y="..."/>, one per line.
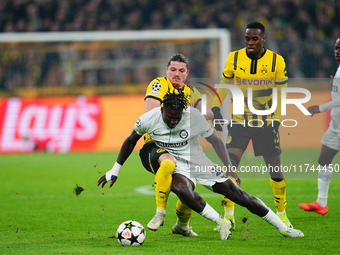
<point x="315" y="207"/>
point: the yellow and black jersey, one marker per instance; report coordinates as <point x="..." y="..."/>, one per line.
<point x="261" y="74"/>
<point x="161" y="85"/>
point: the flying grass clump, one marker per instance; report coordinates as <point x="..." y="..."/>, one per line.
<point x="78" y="189"/>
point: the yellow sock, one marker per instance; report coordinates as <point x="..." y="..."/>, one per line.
<point x="279" y="190"/>
<point x="163" y="183"/>
<point x="229" y="206"/>
<point x="183" y="213"/>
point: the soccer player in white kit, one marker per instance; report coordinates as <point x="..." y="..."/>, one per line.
<point x="330" y="142"/>
<point x="176" y="128"/>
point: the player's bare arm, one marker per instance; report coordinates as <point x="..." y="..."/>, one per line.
<point x="125" y="151"/>
<point x="151" y="103"/>
<point x="314" y="109"/>
<point x="222" y="153"/>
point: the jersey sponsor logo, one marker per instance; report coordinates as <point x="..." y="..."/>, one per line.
<point x="171" y="145"/>
<point x="183" y="134"/>
<point x="154" y="93"/>
<point x="256" y="82"/>
<point x="156" y="86"/>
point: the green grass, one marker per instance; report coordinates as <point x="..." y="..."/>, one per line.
<point x="40" y="214"/>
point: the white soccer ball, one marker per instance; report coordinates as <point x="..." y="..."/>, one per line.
<point x="130" y="233"/>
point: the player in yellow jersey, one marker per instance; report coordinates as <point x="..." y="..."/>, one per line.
<point x="261" y="70"/>
<point x="177" y="71"/>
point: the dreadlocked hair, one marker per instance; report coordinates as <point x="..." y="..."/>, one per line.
<point x="175" y="101"/>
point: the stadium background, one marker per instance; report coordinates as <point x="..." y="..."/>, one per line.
<point x="91" y="104"/>
<point x="44" y="86"/>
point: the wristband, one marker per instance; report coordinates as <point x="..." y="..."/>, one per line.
<point x="113" y="172"/>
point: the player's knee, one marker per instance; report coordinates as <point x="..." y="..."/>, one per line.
<point x="166" y="156"/>
<point x="168" y="166"/>
<point x="179" y="186"/>
<point x="178" y="189"/>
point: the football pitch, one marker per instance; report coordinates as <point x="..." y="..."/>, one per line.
<point x="41" y="214"/>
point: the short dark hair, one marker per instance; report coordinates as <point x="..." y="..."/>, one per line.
<point x="179" y="58"/>
<point x="256" y="25"/>
<point x="175" y="101"/>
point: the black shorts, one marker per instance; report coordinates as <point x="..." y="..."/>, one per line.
<point x="149" y="156"/>
<point x="266" y="140"/>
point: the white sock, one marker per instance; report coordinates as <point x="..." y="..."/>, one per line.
<point x="160" y="211"/>
<point x="274" y="220"/>
<point x="229" y="213"/>
<point x="210" y="213"/>
<point x="184" y="227"/>
<point x="324" y="179"/>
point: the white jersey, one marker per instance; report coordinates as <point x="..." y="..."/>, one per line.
<point x="181" y="141"/>
<point x="334" y="105"/>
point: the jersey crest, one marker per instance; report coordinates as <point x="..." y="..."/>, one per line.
<point x="183" y="134"/>
<point x="264" y="69"/>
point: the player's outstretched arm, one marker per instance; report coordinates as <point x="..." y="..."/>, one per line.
<point x="125" y="151"/>
<point x="314" y="109"/>
<point x="223" y="154"/>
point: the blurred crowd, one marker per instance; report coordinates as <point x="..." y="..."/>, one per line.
<point x="288" y="19"/>
<point x="303" y="31"/>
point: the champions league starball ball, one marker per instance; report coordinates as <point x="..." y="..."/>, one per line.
<point x="130" y="233"/>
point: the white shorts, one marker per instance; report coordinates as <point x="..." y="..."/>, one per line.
<point x="207" y="182"/>
<point x="331" y="139"/>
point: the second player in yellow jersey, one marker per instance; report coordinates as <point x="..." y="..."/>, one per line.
<point x="261" y="70"/>
<point x="260" y="74"/>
